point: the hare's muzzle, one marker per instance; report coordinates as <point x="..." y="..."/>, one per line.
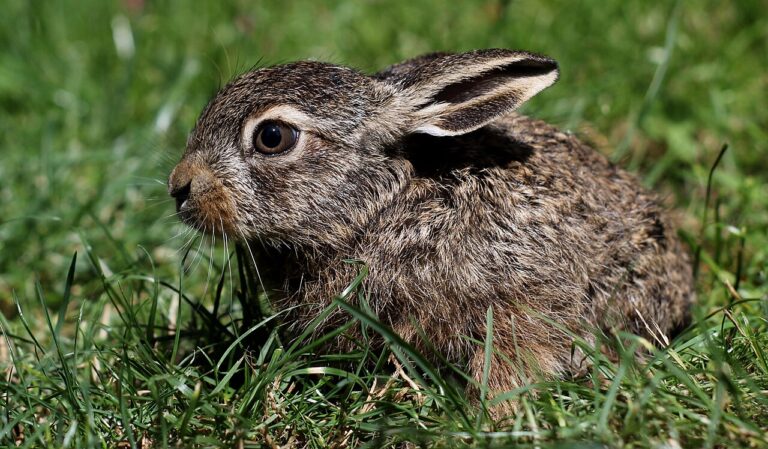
<point x="202" y="201"/>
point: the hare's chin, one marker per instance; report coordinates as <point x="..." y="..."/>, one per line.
<point x="211" y="220"/>
<point x="210" y="228"/>
<point x="189" y="216"/>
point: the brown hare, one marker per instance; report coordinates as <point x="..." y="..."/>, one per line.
<point x="454" y="202"/>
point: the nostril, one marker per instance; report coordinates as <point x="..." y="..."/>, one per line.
<point x="181" y="194"/>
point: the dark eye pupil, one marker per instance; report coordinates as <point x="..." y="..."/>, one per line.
<point x="271" y="136"/>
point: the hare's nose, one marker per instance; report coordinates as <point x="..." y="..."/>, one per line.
<point x="181" y="193"/>
<point x="180" y="183"/>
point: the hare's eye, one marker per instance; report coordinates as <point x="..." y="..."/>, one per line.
<point x="274" y="137"/>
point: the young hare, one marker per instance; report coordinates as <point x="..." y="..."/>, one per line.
<point x="455" y="203"/>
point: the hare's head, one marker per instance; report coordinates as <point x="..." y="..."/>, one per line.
<point x="303" y="152"/>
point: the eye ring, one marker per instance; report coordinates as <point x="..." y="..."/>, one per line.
<point x="272" y="137"/>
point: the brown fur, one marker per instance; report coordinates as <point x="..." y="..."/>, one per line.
<point x="455" y="203"/>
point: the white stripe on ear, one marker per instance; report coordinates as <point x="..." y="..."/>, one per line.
<point x="436" y="131"/>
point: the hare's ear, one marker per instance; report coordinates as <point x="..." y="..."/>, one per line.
<point x="452" y="94"/>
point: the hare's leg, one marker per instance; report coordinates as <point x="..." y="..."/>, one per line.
<point x="511" y="369"/>
<point x="502" y="377"/>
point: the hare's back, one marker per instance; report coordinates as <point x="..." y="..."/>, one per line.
<point x="523" y="211"/>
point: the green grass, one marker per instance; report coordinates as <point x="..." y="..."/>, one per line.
<point x="151" y="340"/>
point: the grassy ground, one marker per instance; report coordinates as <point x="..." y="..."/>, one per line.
<point x="103" y="351"/>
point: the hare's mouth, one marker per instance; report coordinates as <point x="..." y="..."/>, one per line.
<point x="211" y="213"/>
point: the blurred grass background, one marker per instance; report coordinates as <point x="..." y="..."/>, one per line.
<point x="97" y="98"/>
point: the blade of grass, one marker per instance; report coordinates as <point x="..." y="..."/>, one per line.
<point x="405" y="351"/>
<point x="707" y="196"/>
<point x="125" y="415"/>
<point x="488" y="352"/>
<point x="66" y="374"/>
<point x="67" y="294"/>
<point x="191" y="408"/>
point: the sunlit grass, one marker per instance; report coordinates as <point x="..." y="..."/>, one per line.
<point x="152" y="337"/>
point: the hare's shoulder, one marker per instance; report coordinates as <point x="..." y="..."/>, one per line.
<point x="516" y="179"/>
<point x="514" y="156"/>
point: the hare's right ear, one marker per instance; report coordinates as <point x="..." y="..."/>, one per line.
<point x="452" y="94"/>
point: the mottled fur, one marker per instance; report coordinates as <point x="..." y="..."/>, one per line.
<point x="455" y="203"/>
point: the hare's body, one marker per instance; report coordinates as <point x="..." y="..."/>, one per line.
<point x="454" y="203"/>
<point x="536" y="225"/>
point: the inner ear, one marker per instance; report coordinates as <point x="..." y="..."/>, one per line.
<point x="492" y="80"/>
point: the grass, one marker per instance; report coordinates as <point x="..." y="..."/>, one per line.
<point x="144" y="339"/>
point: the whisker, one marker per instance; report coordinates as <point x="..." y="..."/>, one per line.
<point x="210" y="263"/>
<point x="188" y="244"/>
<point x="228" y="262"/>
<point x="255" y="267"/>
<point x="183" y="233"/>
<point x="138" y="181"/>
<point x="196" y="255"/>
<point x="153" y="204"/>
<point x="159" y="199"/>
<point x="192" y="235"/>
<point x="199" y="253"/>
<point x="175" y="214"/>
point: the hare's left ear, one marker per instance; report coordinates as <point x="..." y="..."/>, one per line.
<point x="452" y="94"/>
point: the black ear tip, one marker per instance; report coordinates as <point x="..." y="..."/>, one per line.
<point x="493" y="53"/>
<point x="549" y="62"/>
<point x="532" y="65"/>
<point x="539" y="60"/>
